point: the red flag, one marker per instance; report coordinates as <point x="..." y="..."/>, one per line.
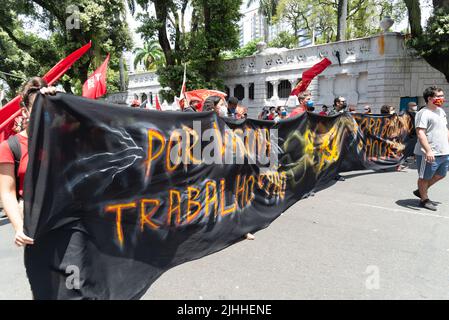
<point x="12" y="109"/>
<point x="202" y="94"/>
<point x="308" y="76"/>
<point x="95" y="85"/>
<point x="158" y="106"/>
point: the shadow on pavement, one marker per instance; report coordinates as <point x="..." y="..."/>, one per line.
<point x="4" y="221"/>
<point x="409" y="204"/>
<point x="364" y="173"/>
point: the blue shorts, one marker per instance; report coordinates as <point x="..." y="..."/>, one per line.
<point x="427" y="170"/>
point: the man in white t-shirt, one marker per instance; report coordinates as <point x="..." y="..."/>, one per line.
<point x="432" y="148"/>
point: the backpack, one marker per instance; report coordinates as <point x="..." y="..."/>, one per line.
<point x="14" y="146"/>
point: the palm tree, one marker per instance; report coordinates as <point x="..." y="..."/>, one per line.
<point x="150" y="55"/>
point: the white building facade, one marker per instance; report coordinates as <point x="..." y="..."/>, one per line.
<point x="373" y="71"/>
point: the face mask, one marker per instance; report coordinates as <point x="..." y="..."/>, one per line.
<point x="438" y="101"/>
<point x="284" y="113"/>
<point x="344" y="105"/>
<point x="414" y="108"/>
<point x="222" y="111"/>
<point x="309" y="104"/>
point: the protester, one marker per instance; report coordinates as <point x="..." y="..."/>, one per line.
<point x="272" y="113"/>
<point x="241" y="112"/>
<point x="367" y="110"/>
<point x="232" y="105"/>
<point x="352" y="109"/>
<point x="324" y="110"/>
<point x="432" y="147"/>
<point x="412" y="107"/>
<point x="303" y="98"/>
<point x="216" y="104"/>
<point x="387" y="109"/>
<point x="281" y="113"/>
<point x="264" y="113"/>
<point x="14" y="161"/>
<point x="193" y="106"/>
<point x="135" y="103"/>
<point x="338" y="107"/>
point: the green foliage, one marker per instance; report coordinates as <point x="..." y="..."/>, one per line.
<point x="433" y="43"/>
<point x="435" y="38"/>
<point x="247" y="50"/>
<point x="284" y="40"/>
<point x="267" y="7"/>
<point x="319" y="18"/>
<point x="213" y="30"/>
<point x="35" y="48"/>
<point x="150" y="55"/>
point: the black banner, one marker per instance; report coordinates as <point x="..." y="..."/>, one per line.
<point x="115" y="196"/>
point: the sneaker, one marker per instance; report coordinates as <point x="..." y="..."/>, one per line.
<point x="339" y="178"/>
<point x="417" y="194"/>
<point x="428" y="205"/>
<point x="250" y="236"/>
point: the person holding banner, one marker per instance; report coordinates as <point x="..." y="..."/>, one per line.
<point x="432" y="147"/>
<point x="14" y="161"/>
<point x="339" y="106"/>
<point x="303" y="100"/>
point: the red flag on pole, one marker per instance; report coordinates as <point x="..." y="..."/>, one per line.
<point x="158" y="105"/>
<point x="12" y="109"/>
<point x="95" y="85"/>
<point x="308" y="76"/>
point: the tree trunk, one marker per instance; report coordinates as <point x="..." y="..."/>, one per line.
<point x="122" y="74"/>
<point x="342" y="16"/>
<point x="161" y="9"/>
<point x="414" y="17"/>
<point x="266" y="29"/>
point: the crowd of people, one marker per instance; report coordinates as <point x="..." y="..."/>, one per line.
<point x="304" y="103"/>
<point x="432" y="149"/>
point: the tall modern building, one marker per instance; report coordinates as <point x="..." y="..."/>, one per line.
<point x="253" y="26"/>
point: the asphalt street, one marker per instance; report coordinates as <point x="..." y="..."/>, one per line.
<point x="363" y="238"/>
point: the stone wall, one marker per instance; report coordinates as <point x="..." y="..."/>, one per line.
<point x="375" y="70"/>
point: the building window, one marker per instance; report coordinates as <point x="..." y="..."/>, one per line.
<point x="239" y="92"/>
<point x="269" y="90"/>
<point x="251" y="91"/>
<point x="284" y="89"/>
<point x="227" y="91"/>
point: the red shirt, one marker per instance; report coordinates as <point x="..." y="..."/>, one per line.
<point x="297" y="111"/>
<point x="6" y="156"/>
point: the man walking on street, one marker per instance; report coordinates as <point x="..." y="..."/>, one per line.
<point x="432" y="147"/>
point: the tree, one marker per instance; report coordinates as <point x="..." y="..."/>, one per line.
<point x="213" y="30"/>
<point x="342" y="16"/>
<point x="102" y="21"/>
<point x="247" y="50"/>
<point x="150" y="55"/>
<point x="319" y="21"/>
<point x="432" y="43"/>
<point x="284" y="40"/>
